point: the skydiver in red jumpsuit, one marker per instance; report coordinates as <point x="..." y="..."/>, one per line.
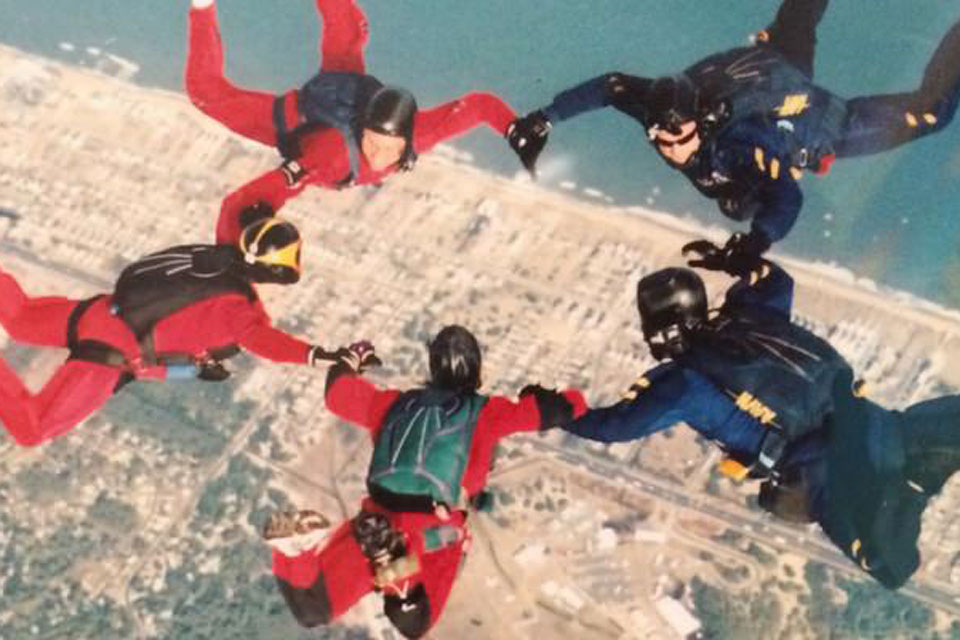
<point x="147" y="330"/>
<point x="343" y="127"/>
<point x="406" y="546"/>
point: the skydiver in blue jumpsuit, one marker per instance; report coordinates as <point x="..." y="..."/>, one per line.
<point x="783" y="405"/>
<point x="744" y="125"/>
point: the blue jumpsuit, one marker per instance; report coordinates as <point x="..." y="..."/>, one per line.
<point x="867" y="474"/>
<point x="780" y="123"/>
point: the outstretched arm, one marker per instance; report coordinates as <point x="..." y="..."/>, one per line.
<point x="536" y="409"/>
<point x="759" y="158"/>
<point x="625" y="92"/>
<point x="528" y="135"/>
<point x="653" y="403"/>
<point x="663" y="397"/>
<point x="770" y="287"/>
<point x="433" y="126"/>
<point x="352" y="398"/>
<point x="780" y="201"/>
<point x="343" y="36"/>
<point x="255" y="333"/>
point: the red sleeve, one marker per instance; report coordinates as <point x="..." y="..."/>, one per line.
<point x="433" y="126"/>
<point x="256" y="334"/>
<point x="356" y="400"/>
<point x="501" y="417"/>
<point x="270" y="188"/>
<point x="575" y="397"/>
<point x="325" y="158"/>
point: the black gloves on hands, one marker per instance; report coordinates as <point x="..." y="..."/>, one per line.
<point x="555" y="409"/>
<point x="740" y="256"/>
<point x="527" y="137"/>
<point x="357" y="357"/>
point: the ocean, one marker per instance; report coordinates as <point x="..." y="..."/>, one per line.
<point x="892" y="217"/>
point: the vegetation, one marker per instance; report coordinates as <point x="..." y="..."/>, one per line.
<point x="865" y="610"/>
<point x="196" y="419"/>
<point x="754" y="616"/>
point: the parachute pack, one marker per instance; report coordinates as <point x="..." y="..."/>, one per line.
<point x="778" y="373"/>
<point x="162" y="283"/>
<point x="331" y="99"/>
<point x="751" y="82"/>
<point x="422" y="451"/>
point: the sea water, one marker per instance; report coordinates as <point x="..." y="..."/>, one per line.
<point x="892" y="217"/>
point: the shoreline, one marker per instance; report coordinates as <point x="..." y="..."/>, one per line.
<point x="806" y="272"/>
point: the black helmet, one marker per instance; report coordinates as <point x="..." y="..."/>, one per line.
<point x="255" y="213"/>
<point x="271" y="250"/>
<point x="455" y="360"/>
<point x="673" y="100"/>
<point x="391" y="111"/>
<point x="670" y="301"/>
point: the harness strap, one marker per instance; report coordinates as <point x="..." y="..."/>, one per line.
<point x="105" y="354"/>
<point x="98" y="352"/>
<point x="288" y="143"/>
<point x="772" y="448"/>
<point x="74" y="320"/>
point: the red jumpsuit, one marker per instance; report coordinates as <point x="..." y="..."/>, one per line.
<point x="341" y="566"/>
<point x="78" y="388"/>
<point x="325" y="157"/>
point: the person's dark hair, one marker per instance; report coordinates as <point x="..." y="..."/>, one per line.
<point x="455" y="360"/>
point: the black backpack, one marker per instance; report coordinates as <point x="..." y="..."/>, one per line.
<point x="335" y="100"/>
<point x="777" y="372"/>
<point x="162" y="283"/>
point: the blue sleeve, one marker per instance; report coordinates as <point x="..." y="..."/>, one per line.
<point x="659" y="407"/>
<point x="628" y="94"/>
<point x="674" y="395"/>
<point x="589" y="96"/>
<point x="780" y="202"/>
<point x="773" y="290"/>
<point x="759" y="157"/>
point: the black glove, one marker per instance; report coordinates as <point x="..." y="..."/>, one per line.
<point x="740" y="256"/>
<point x="319" y="355"/>
<point x="293" y="172"/>
<point x="527" y="137"/>
<point x="359" y="356"/>
<point x="555" y="409"/>
<point x="212" y="371"/>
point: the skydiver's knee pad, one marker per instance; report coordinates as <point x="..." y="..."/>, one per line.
<point x="311" y="606"/>
<point x="410" y="615"/>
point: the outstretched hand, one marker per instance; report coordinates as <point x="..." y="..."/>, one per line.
<point x="358" y="356"/>
<point x="527" y="137"/>
<point x="711" y="256"/>
<point x="740" y="256"/>
<point x="555" y="409"/>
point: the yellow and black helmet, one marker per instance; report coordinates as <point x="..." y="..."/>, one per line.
<point x="271" y="250"/>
